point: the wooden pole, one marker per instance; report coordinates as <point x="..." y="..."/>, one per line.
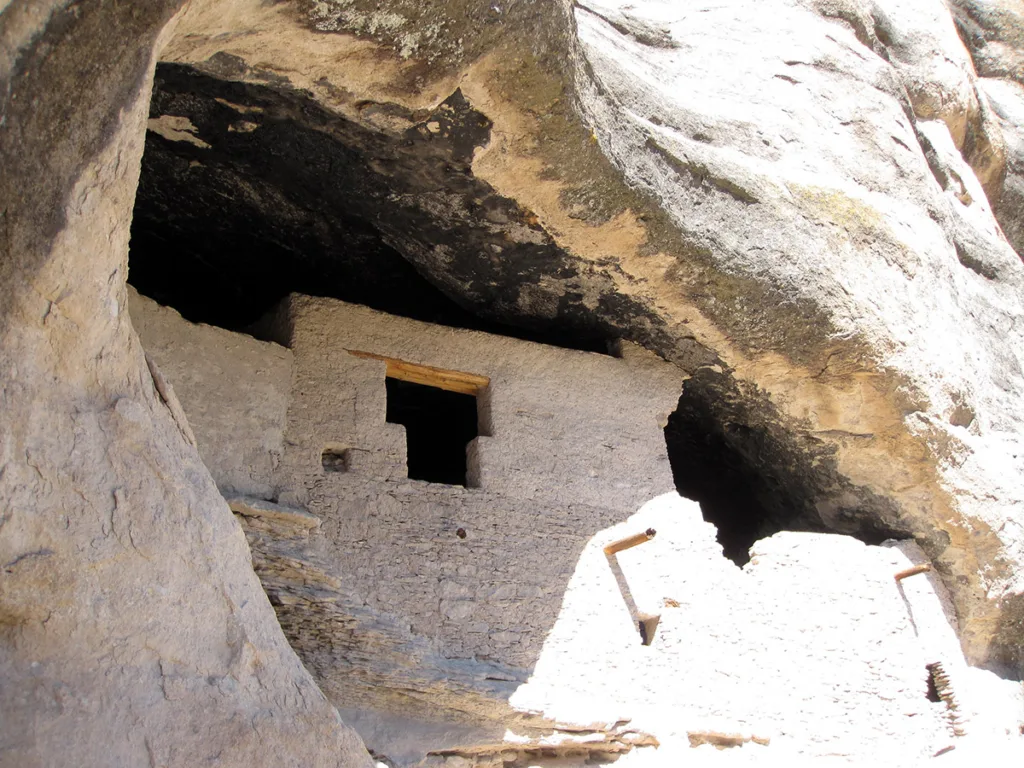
<point x="913" y="571"/>
<point x="631" y="541"/>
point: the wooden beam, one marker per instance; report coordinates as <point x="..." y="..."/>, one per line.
<point x="453" y="381"/>
<point x="630" y="542"/>
<point x="913" y="571"/>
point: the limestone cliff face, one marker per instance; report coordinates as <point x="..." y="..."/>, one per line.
<point x="793" y="201"/>
<point x="133" y="630"/>
<point x="808" y="205"/>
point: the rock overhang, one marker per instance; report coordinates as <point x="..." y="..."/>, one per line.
<point x="977" y="552"/>
<point x="620" y="258"/>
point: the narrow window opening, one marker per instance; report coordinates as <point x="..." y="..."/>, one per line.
<point x="438" y="426"/>
<point x="335" y="459"/>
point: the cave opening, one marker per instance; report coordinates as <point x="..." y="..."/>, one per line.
<point x="247" y="194"/>
<point x="709" y="466"/>
<point x="438" y="425"/>
<point x="752" y="479"/>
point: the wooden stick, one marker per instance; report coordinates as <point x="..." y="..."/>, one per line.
<point x="913" y="571"/>
<point x="631" y="541"/>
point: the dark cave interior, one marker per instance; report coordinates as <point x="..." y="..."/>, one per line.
<point x="310" y="203"/>
<point x="717" y="465"/>
<point x="223" y="233"/>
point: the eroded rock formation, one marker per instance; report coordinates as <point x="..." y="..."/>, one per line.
<point x="796" y="210"/>
<point x="133" y="630"/>
<point x="809" y="206"/>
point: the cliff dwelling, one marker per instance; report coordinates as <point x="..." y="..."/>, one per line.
<point x="473" y="384"/>
<point x="554" y="541"/>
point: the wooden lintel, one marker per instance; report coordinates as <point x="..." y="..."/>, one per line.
<point x="453" y="381"/>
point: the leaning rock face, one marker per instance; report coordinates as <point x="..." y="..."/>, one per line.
<point x="132" y="628"/>
<point x="791" y="200"/>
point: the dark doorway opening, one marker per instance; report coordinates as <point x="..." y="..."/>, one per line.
<point x="438" y="426"/>
<point x="754" y="478"/>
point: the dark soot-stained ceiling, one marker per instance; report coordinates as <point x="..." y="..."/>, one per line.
<point x="267" y="193"/>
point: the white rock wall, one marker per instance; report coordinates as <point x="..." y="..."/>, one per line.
<point x="234" y="389"/>
<point x="564" y="426"/>
<point x="812" y="646"/>
<point x="843" y="174"/>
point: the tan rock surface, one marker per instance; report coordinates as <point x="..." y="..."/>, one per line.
<point x="805" y="226"/>
<point x="792" y="200"/>
<point x="132" y="628"/>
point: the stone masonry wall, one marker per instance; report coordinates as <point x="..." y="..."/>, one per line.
<point x="558" y="426"/>
<point x="511" y="604"/>
<point x="234" y="389"/>
<point x="571" y="442"/>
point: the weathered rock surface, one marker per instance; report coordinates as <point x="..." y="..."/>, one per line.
<point x="244" y="444"/>
<point x="791" y="200"/>
<point x="824" y="170"/>
<point x="994" y="32"/>
<point x="132" y="628"/>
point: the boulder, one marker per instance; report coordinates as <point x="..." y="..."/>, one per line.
<point x="132" y="627"/>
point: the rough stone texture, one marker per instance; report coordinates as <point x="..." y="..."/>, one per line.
<point x="572" y="443"/>
<point x="556" y="426"/>
<point x="132" y="628"/>
<point x="1007" y="100"/>
<point x="521" y="637"/>
<point x="373" y="662"/>
<point x="236" y="390"/>
<point x="994" y="32"/>
<point x="792" y="200"/>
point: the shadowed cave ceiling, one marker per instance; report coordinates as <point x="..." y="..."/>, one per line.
<point x="489" y="177"/>
<point x="265" y="193"/>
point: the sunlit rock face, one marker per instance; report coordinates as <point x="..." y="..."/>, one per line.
<point x="133" y="630"/>
<point x="809" y="207"/>
<point x="792" y="202"/>
<point x="549" y="601"/>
